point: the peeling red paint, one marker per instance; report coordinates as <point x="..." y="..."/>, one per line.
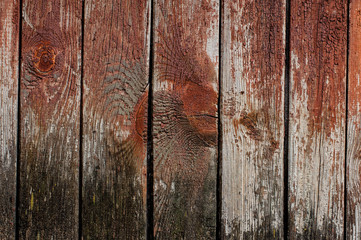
<point x="322" y="62"/>
<point x="253" y="67"/>
<point x="317" y="117"/>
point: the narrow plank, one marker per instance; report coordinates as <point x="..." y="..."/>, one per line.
<point x="354" y="128"/>
<point x="116" y="60"/>
<point x="185" y="118"/>
<point x="317" y="119"/>
<point x="9" y="54"/>
<point x="252" y="108"/>
<point x="50" y="100"/>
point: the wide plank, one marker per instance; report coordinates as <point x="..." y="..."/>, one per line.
<point x="252" y="115"/>
<point x="317" y="119"/>
<point x="116" y="75"/>
<point x="186" y="40"/>
<point x="50" y="114"/>
<point x="9" y="56"/>
<point x="353" y="156"/>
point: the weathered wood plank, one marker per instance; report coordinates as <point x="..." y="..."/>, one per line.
<point x="317" y="119"/>
<point x="50" y="100"/>
<point x="252" y="111"/>
<point x="9" y="54"/>
<point x="353" y="218"/>
<point x="185" y="118"/>
<point x="116" y="60"/>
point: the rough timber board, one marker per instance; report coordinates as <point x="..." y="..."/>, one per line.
<point x="185" y="118"/>
<point x="9" y="52"/>
<point x="49" y="103"/>
<point x="116" y="59"/>
<point x="252" y="111"/>
<point x="317" y="119"/>
<point x="354" y="126"/>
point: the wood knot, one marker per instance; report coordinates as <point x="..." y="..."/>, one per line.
<point x="44" y="58"/>
<point x="44" y="76"/>
<point x="200" y="108"/>
<point x="250" y="122"/>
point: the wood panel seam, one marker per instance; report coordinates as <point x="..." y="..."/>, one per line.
<point x="286" y="118"/>
<point x="219" y="140"/>
<point x="81" y="131"/>
<point x="150" y="158"/>
<point x="18" y="137"/>
<point x="346" y="120"/>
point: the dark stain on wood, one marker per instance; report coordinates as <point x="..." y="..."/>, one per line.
<point x="261" y="232"/>
<point x="115" y="211"/>
<point x="49" y="207"/>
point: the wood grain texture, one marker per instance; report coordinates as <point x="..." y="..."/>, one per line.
<point x="9" y="54"/>
<point x="50" y="100"/>
<point x="116" y="60"/>
<point x="252" y="110"/>
<point x="317" y="119"/>
<point x="185" y="118"/>
<point x="353" y="218"/>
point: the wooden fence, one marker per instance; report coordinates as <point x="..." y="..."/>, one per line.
<point x="180" y="119"/>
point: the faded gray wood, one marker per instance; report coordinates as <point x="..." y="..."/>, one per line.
<point x="116" y="60"/>
<point x="252" y="116"/>
<point x="9" y="52"/>
<point x="50" y="113"/>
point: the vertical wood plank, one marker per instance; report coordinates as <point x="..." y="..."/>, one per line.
<point x="116" y="60"/>
<point x="354" y="127"/>
<point x="185" y="118"/>
<point x="317" y="119"/>
<point x="252" y="112"/>
<point x="9" y="52"/>
<point x="50" y="99"/>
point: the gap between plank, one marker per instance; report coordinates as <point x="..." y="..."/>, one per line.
<point x="219" y="141"/>
<point x="346" y="112"/>
<point x="286" y="118"/>
<point x="18" y="137"/>
<point x="80" y="194"/>
<point x="150" y="170"/>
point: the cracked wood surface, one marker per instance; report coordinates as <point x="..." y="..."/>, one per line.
<point x="9" y="54"/>
<point x="317" y="119"/>
<point x="116" y="59"/>
<point x="50" y="113"/>
<point x="185" y="118"/>
<point x="252" y="111"/>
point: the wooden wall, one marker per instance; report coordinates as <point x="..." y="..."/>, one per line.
<point x="180" y="119"/>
